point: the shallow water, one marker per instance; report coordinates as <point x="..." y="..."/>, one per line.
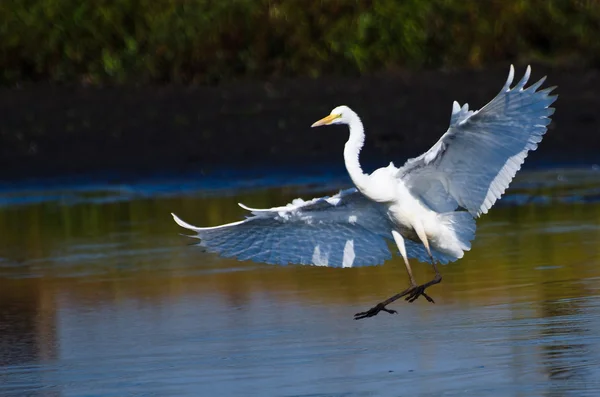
<point x="101" y="296"/>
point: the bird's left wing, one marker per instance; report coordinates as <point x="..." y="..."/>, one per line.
<point x="344" y="230"/>
<point x="475" y="160"/>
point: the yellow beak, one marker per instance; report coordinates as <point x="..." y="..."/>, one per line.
<point x="326" y="120"/>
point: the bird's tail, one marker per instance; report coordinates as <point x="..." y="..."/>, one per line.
<point x="460" y="230"/>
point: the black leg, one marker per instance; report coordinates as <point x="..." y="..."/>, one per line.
<point x="412" y="293"/>
<point x="381" y="307"/>
<point x="420" y="290"/>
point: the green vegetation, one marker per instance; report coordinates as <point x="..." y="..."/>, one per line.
<point x="206" y="41"/>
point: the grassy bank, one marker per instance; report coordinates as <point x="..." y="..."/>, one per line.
<point x="208" y="41"/>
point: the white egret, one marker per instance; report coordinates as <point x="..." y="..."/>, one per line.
<point x="427" y="207"/>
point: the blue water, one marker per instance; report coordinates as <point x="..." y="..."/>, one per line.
<point x="101" y="296"/>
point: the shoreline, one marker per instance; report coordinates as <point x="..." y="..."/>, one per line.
<point x="50" y="131"/>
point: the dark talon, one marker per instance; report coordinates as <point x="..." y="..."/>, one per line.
<point x="382" y="306"/>
<point x="412" y="294"/>
<point x="417" y="292"/>
<point x="373" y="312"/>
<point x="429" y="299"/>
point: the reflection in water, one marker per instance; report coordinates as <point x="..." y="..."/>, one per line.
<point x="27" y="332"/>
<point x="565" y="323"/>
<point x="99" y="295"/>
<point x="568" y="338"/>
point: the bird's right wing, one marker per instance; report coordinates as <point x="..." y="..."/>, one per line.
<point x="476" y="159"/>
<point x="345" y="230"/>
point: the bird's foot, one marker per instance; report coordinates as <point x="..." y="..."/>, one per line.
<point x="380" y="307"/>
<point x="418" y="291"/>
<point x="412" y="294"/>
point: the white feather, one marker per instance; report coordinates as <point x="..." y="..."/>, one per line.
<point x="470" y="167"/>
<point x="476" y="159"/>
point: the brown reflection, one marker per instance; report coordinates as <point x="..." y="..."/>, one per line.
<point x="566" y="348"/>
<point x="27" y="329"/>
<point x="27" y="323"/>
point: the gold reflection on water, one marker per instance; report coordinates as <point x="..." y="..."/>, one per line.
<point x="57" y="255"/>
<point x="521" y="252"/>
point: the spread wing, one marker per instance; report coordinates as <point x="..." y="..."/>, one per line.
<point x="345" y="230"/>
<point x="476" y="159"/>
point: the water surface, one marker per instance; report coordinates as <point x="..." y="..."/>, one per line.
<point x="101" y="296"/>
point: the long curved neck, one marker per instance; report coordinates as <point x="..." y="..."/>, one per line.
<point x="352" y="151"/>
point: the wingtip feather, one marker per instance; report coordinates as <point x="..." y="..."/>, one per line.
<point x="455" y="107"/>
<point x="245" y="207"/>
<point x="524" y="79"/>
<point x="183" y="223"/>
<point x="509" y="80"/>
<point x="536" y="85"/>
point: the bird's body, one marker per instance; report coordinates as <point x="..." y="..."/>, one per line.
<point x="427" y="207"/>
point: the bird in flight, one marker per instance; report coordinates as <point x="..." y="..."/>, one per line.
<point x="427" y="207"/>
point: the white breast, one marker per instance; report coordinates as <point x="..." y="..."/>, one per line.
<point x="406" y="210"/>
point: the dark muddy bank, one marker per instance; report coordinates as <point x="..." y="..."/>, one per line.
<point x="51" y="131"/>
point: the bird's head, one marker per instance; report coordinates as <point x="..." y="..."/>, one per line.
<point x="339" y="115"/>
